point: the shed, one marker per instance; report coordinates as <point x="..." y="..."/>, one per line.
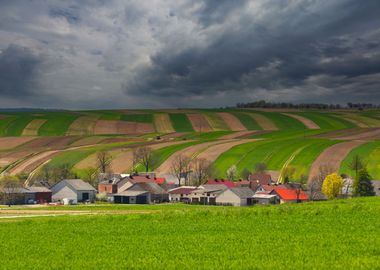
<point x="73" y="189"/>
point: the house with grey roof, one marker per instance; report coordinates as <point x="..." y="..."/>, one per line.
<point x="75" y="190"/>
<point x="219" y="194"/>
<point x="141" y="193"/>
<point x="376" y="187"/>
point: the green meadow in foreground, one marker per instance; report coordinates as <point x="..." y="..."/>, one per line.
<point x="328" y="235"/>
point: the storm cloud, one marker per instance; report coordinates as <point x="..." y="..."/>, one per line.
<point x="111" y="54"/>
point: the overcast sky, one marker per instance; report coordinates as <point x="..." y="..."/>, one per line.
<point x="171" y="53"/>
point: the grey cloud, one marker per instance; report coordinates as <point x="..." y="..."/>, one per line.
<point x="18" y="68"/>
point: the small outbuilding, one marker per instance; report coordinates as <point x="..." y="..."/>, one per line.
<point x="74" y="190"/>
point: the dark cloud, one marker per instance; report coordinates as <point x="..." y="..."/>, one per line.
<point x="188" y="53"/>
<point x="18" y="71"/>
<point x="287" y="49"/>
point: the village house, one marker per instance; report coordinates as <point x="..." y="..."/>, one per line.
<point x="141" y="193"/>
<point x="264" y="198"/>
<point x="180" y="194"/>
<point x="41" y="194"/>
<point x="73" y="190"/>
<point x="227" y="183"/>
<point x="16" y="195"/>
<point x="376" y="187"/>
<point x="290" y="195"/>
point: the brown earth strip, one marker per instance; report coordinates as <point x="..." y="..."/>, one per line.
<point x="50" y="142"/>
<point x="12" y="142"/>
<point x="368" y="135"/>
<point x="213" y="152"/>
<point x="88" y="140"/>
<point x="307" y="122"/>
<point x="162" y="123"/>
<point x="10" y="157"/>
<point x="199" y="122"/>
<point x="332" y="157"/>
<point x="188" y="151"/>
<point x="122" y="127"/>
<point x="232" y="121"/>
<point x="32" y="128"/>
<point x="264" y="122"/>
<point x="275" y="110"/>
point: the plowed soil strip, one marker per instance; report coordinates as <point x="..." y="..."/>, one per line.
<point x="370" y="135"/>
<point x="162" y="123"/>
<point x="263" y="121"/>
<point x="12" y="142"/>
<point x="122" y="127"/>
<point x="189" y="152"/>
<point x="332" y="157"/>
<point x="32" y="128"/>
<point x="307" y="122"/>
<point x="213" y="152"/>
<point x="199" y="122"/>
<point x="232" y="121"/>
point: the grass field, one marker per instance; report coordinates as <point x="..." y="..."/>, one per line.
<point x="180" y="122"/>
<point x="57" y="123"/>
<point x="247" y="121"/>
<point x="328" y="235"/>
<point x="370" y="154"/>
<point x="282" y="121"/>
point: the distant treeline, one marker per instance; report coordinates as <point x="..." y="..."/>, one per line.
<point x="319" y="106"/>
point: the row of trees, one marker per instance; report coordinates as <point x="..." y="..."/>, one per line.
<point x="319" y="106"/>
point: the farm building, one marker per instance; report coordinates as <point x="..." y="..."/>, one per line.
<point x="376" y="187"/>
<point x="75" y="190"/>
<point x="264" y="198"/>
<point x="220" y="194"/>
<point x="289" y="195"/>
<point x="259" y="179"/>
<point x="41" y="194"/>
<point x="16" y="195"/>
<point x="141" y="193"/>
<point x="180" y="194"/>
<point x="227" y="183"/>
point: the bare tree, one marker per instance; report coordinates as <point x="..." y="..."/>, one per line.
<point x="144" y="156"/>
<point x="9" y="190"/>
<point x="180" y="167"/>
<point x="202" y="170"/>
<point x="90" y="175"/>
<point x="104" y="161"/>
<point x="315" y="184"/>
<point x="135" y="160"/>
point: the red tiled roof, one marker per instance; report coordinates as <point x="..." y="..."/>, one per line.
<point x="290" y="194"/>
<point x="160" y="181"/>
<point x="227" y="183"/>
<point x="261" y="178"/>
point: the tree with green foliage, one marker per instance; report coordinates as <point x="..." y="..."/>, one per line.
<point x="332" y="186"/>
<point x="231" y="172"/>
<point x="287" y="174"/>
<point x="260" y="167"/>
<point x="245" y="173"/>
<point x="362" y="184"/>
<point x="356" y="165"/>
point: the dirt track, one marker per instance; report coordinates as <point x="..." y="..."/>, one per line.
<point x="307" y="122"/>
<point x="232" y="121"/>
<point x="333" y="157"/>
<point x="31" y="163"/>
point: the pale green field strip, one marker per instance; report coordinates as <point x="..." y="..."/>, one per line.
<point x="215" y="121"/>
<point x="264" y="122"/>
<point x="360" y="120"/>
<point x="162" y="123"/>
<point x="32" y="128"/>
<point x="83" y="125"/>
<point x="306" y="121"/>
